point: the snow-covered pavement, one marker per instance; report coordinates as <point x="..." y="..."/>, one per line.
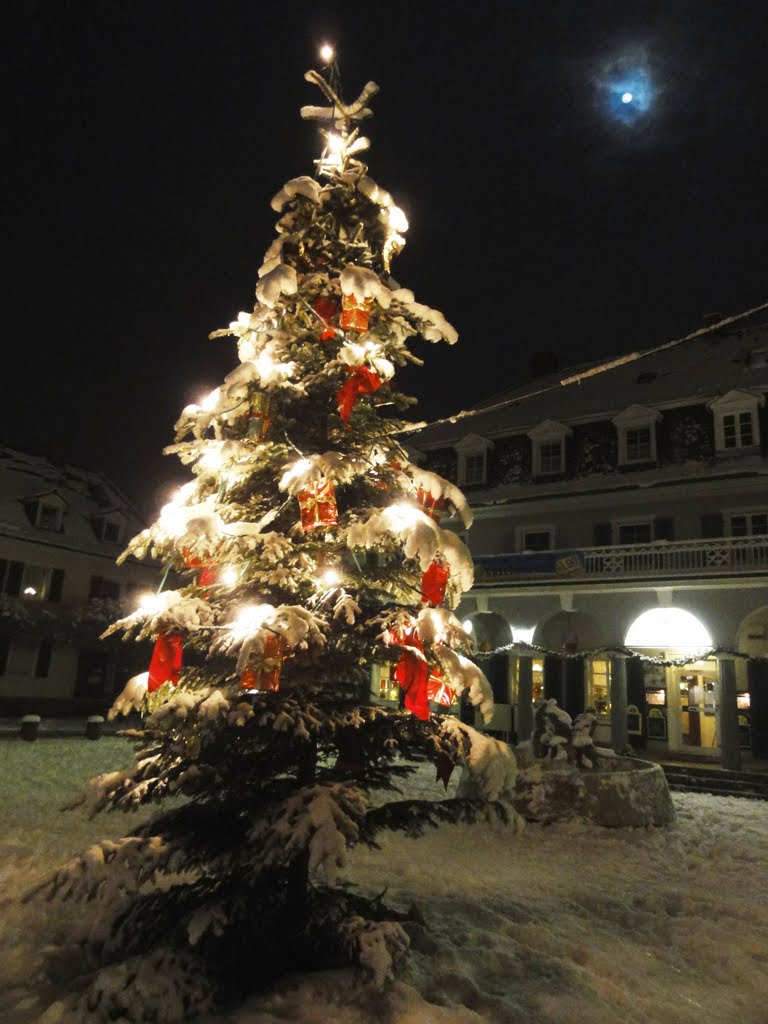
<point x="569" y="922"/>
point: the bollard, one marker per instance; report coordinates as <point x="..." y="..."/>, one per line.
<point x="30" y="724"/>
<point x="94" y="727"/>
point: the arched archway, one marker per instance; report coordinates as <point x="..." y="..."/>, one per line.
<point x="752" y="680"/>
<point x="678" y="702"/>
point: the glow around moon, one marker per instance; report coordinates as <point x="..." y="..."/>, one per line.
<point x="625" y="89"/>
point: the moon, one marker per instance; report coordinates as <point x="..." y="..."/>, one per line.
<point x="626" y="97"/>
<point x="625" y="89"/>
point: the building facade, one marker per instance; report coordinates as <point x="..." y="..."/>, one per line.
<point x="623" y="507"/>
<point x="61" y="529"/>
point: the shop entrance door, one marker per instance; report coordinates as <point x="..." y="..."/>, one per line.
<point x="697" y="707"/>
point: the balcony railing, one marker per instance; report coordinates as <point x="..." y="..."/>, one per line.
<point x="717" y="557"/>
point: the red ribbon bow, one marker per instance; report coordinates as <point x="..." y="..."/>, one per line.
<point x="362" y="381"/>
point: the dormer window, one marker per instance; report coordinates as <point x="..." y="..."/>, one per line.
<point x="636" y="428"/>
<point x="736" y="421"/>
<point x="47" y="512"/>
<point x="109" y="528"/>
<point x="472" y="452"/>
<point x="548" y="440"/>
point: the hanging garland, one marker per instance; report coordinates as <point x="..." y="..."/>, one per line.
<point x="626" y="652"/>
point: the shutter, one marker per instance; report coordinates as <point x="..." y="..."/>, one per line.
<point x="3" y="569"/>
<point x="574" y="686"/>
<point x="13" y="578"/>
<point x="43" y="662"/>
<point x="553" y="679"/>
<point x="603" y="534"/>
<point x="664" y="528"/>
<point x="57" y="585"/>
<point x="4" y="648"/>
<point x="712" y="525"/>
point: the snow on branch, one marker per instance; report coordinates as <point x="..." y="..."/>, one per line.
<point x="339" y="113"/>
<point x="324" y="820"/>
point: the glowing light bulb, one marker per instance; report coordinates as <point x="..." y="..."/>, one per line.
<point x="335" y="144"/>
<point x="30" y="591"/>
<point x="467" y="626"/>
<point x="250" y="618"/>
<point x="148" y="603"/>
<point x="397" y="219"/>
<point x="327" y="53"/>
<point x="211" y="458"/>
<point x="626" y="97"/>
<point x="330" y="577"/>
<point x="229" y="576"/>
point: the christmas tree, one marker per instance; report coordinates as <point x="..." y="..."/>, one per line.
<point x="307" y="548"/>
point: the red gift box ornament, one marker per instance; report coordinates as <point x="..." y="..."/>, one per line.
<point x="433" y="583"/>
<point x="412" y="674"/>
<point x="260" y="417"/>
<point x="361" y="381"/>
<point x="432" y="506"/>
<point x="317" y="506"/>
<point x="165" y="665"/>
<point x="267" y="675"/>
<point x="326" y="310"/>
<point x="355" y="313"/>
<point x="437" y="688"/>
<point x="209" y="570"/>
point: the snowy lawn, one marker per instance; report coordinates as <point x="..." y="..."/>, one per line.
<point x="569" y="922"/>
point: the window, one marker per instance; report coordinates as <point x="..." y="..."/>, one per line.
<point x="472" y="454"/>
<point x="34" y="582"/>
<point x="737" y="430"/>
<point x="548" y="440"/>
<point x="10" y="577"/>
<point x="634" y="533"/>
<point x="748" y="524"/>
<point x="638" y="444"/>
<point x="48" y="516"/>
<point x="599" y="685"/>
<point x="535" y="538"/>
<point x="102" y="589"/>
<point x="551" y="457"/>
<point x="636" y="428"/>
<point x="27" y="659"/>
<point x="736" y="420"/>
<point x="111" y="531"/>
<point x="474" y="469"/>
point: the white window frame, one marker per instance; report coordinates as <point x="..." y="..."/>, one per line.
<point x="112" y="521"/>
<point x="522" y="531"/>
<point x="736" y="403"/>
<point x="550" y="432"/>
<point x="591" y="682"/>
<point x="636" y="417"/>
<point x="617" y="525"/>
<point x="471" y="447"/>
<point x="747" y="514"/>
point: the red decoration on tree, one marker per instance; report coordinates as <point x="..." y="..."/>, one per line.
<point x="327" y="311"/>
<point x="355" y="313"/>
<point x="444" y="766"/>
<point x="317" y="505"/>
<point x="209" y="570"/>
<point x="412" y="673"/>
<point x="434" y="582"/>
<point x="267" y="675"/>
<point x="166" y="661"/>
<point x="432" y="506"/>
<point x="437" y="688"/>
<point x="361" y="381"/>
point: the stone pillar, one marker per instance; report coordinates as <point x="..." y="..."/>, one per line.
<point x="728" y="714"/>
<point x="619" y="735"/>
<point x="524" y="706"/>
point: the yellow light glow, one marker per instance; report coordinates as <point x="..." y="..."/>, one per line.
<point x="668" y="629"/>
<point x="210" y="401"/>
<point x="327" y="53"/>
<point x="250" y="619"/>
<point x="211" y="458"/>
<point x="148" y="603"/>
<point x="330" y="577"/>
<point x="467" y="626"/>
<point x="229" y="576"/>
<point x="335" y="144"/>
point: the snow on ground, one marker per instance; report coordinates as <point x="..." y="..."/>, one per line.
<point x="568" y="922"/>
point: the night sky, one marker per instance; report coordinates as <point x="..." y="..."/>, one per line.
<point x="145" y="140"/>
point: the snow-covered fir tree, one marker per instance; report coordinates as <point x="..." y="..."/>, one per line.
<point x="306" y="548"/>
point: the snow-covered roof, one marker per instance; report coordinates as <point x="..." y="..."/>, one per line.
<point x="692" y="372"/>
<point x="84" y="497"/>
